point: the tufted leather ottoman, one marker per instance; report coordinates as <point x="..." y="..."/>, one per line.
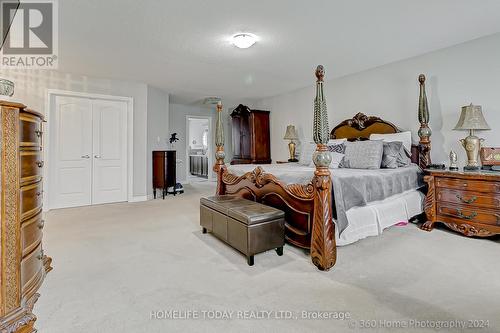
<point x="247" y="226"/>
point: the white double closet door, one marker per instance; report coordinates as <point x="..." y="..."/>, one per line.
<point x="89" y="152"/>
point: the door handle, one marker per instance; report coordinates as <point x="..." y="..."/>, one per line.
<point x="97" y="156"/>
<point x="85" y="156"/>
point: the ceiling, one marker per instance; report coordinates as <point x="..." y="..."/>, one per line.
<point x="182" y="46"/>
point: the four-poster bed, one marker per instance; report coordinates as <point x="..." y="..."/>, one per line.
<point x="309" y="206"/>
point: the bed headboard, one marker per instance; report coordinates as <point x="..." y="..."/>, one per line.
<point x="361" y="126"/>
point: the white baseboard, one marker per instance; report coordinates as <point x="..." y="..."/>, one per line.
<point x="139" y="198"/>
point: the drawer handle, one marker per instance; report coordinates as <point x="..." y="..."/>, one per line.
<point x="467" y="201"/>
<point x="40" y="255"/>
<point x="41" y="224"/>
<point x="38" y="133"/>
<point x="40" y="164"/>
<point x="464" y="184"/>
<point x="466" y="217"/>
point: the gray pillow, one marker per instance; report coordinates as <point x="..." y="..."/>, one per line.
<point x="363" y="155"/>
<point x="395" y="155"/>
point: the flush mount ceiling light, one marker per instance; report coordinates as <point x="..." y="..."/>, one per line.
<point x="244" y="40"/>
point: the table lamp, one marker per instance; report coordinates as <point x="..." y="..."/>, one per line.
<point x="291" y="134"/>
<point x="472" y="119"/>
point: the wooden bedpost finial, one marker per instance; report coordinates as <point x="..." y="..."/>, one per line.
<point x="219" y="166"/>
<point x="421" y="78"/>
<point x="323" y="247"/>
<point x="320" y="73"/>
<point x="424" y="132"/>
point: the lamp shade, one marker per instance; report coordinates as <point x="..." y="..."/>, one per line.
<point x="291" y="133"/>
<point x="472" y="118"/>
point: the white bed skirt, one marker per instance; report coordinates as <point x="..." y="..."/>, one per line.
<point x="372" y="219"/>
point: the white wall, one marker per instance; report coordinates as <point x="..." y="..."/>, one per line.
<point x="157" y="129"/>
<point x="456" y="76"/>
<point x="31" y="89"/>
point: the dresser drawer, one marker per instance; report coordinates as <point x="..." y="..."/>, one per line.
<point x="469" y="198"/>
<point x="31" y="166"/>
<point x="470" y="185"/>
<point x="31" y="233"/>
<point x="472" y="214"/>
<point x="32" y="268"/>
<point x="31" y="200"/>
<point x="30" y="131"/>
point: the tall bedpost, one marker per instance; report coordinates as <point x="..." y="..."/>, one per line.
<point x="323" y="247"/>
<point x="219" y="167"/>
<point x="424" y="145"/>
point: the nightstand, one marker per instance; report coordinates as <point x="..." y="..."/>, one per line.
<point x="467" y="202"/>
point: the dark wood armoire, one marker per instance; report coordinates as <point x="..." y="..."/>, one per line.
<point x="164" y="177"/>
<point x="251" y="139"/>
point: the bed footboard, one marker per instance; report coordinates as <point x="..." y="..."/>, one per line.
<point x="296" y="200"/>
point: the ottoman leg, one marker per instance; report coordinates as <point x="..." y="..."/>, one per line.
<point x="279" y="250"/>
<point x="250" y="260"/>
<point x="204" y="230"/>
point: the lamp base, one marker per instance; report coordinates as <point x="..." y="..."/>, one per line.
<point x="471" y="168"/>
<point x="471" y="145"/>
<point x="293" y="160"/>
<point x="291" y="149"/>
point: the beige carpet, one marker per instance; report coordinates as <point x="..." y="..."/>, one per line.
<point x="116" y="265"/>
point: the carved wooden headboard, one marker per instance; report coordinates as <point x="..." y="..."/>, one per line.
<point x="361" y="126"/>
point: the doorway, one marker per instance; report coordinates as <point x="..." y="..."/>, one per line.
<point x="198" y="149"/>
<point x="88" y="150"/>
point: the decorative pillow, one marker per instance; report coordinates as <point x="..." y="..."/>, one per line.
<point x="404" y="137"/>
<point x="337" y="159"/>
<point x="363" y="155"/>
<point x="394" y="155"/>
<point x="307" y="151"/>
<point x="337" y="148"/>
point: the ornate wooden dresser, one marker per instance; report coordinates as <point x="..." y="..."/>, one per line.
<point x="467" y="202"/>
<point x="24" y="263"/>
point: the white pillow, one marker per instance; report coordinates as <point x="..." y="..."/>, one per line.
<point x="336" y="160"/>
<point x="332" y="142"/>
<point x="308" y="149"/>
<point x="404" y="137"/>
